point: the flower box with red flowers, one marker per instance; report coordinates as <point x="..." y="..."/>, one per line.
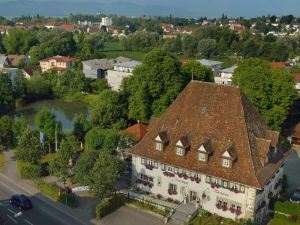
<point x="212" y="185"/>
<point x="197" y="180"/>
<point x="185" y="176"/>
<point x="180" y="175"/>
<point x="172" y="192"/>
<point x="232" y="210"/>
<point x="169" y="174"/>
<point x="224" y="208"/>
<point x="219" y="206"/>
<point x="149" y="167"/>
<point x="238" y="212"/>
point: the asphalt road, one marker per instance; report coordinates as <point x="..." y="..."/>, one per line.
<point x="42" y="213"/>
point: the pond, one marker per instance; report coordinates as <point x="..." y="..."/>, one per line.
<point x="65" y="112"/>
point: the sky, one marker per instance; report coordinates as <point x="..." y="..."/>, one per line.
<point x="181" y="8"/>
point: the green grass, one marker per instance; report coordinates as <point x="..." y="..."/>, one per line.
<point x="2" y="161"/>
<point x="48" y="157"/>
<point x="213" y="220"/>
<point x="145" y="206"/>
<point x="21" y="164"/>
<point x="90" y="99"/>
<point x="112" y="46"/>
<point x="287" y="208"/>
<point x="283" y="220"/>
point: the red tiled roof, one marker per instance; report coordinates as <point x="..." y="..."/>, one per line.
<point x="68" y="27"/>
<point x="204" y="111"/>
<point x="137" y="131"/>
<point x="59" y="59"/>
<point x="278" y="65"/>
<point x="296" y="77"/>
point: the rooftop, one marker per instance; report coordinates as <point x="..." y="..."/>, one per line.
<point x="59" y="58"/>
<point x="129" y="64"/>
<point x="239" y="130"/>
<point x="228" y="70"/>
<point x="137" y="131"/>
<point x="207" y="62"/>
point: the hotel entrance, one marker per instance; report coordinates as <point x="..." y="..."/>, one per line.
<point x="193" y="196"/>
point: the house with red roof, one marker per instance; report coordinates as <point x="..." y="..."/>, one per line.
<point x="57" y="63"/>
<point x="137" y="131"/>
<point x="206" y="153"/>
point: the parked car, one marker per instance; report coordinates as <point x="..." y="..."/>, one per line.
<point x="21" y="201"/>
<point x="295" y="197"/>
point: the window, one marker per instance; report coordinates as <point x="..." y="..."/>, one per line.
<point x="179" y="151"/>
<point x="172" y="187"/>
<point x="143" y="161"/>
<point x="242" y="188"/>
<point x="202" y="156"/>
<point x="225" y="184"/>
<point x="170" y="168"/>
<point x="226" y="162"/>
<point x="158" y="146"/>
<point x="163" y="167"/>
<point x="175" y="170"/>
<point x="159" y="181"/>
<point x="207" y="179"/>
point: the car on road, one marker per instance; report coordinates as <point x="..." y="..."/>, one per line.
<point x="21" y="201"/>
<point x="295" y="197"/>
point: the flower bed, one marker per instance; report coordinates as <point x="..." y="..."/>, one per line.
<point x="232" y="210"/>
<point x="238" y="212"/>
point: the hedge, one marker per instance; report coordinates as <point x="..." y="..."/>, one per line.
<point x="108" y="205"/>
<point x="29" y="171"/>
<point x="54" y="193"/>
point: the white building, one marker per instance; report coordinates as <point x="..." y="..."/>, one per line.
<point x="106" y="21"/>
<point x="120" y="71"/>
<point x="203" y="150"/>
<point x="214" y="65"/>
<point x="225" y="76"/>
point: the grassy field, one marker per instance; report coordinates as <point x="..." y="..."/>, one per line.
<point x="2" y="161"/>
<point x="283" y="220"/>
<point x="213" y="220"/>
<point x="113" y="50"/>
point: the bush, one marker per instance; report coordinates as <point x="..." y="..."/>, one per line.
<point x="108" y="205"/>
<point x="30" y="171"/>
<point x="57" y="195"/>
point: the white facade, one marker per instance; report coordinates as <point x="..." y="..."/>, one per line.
<point x="106" y="21"/>
<point x="225" y="76"/>
<point x="297" y="86"/>
<point x="203" y="190"/>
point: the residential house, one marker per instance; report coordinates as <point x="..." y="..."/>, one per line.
<point x="4" y="29"/>
<point x="4" y="61"/>
<point x="17" y="60"/>
<point x="206" y="152"/>
<point x="297" y="81"/>
<point x="233" y="25"/>
<point x="57" y="63"/>
<point x="225" y="76"/>
<point x="136" y="131"/>
<point x="97" y="68"/>
<point x="214" y="65"/>
<point x="119" y="72"/>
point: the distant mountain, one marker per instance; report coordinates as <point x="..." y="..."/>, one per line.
<point x="181" y="8"/>
<point x="15" y="8"/>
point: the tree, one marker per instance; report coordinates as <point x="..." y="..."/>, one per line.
<point x="81" y="127"/>
<point x="207" y="47"/>
<point x="7" y="138"/>
<point x="19" y="85"/>
<point x="103" y="176"/>
<point x="60" y="167"/>
<point x="6" y="94"/>
<point x="84" y="165"/>
<point x="46" y="123"/>
<point x="20" y="126"/>
<point x="108" y="110"/>
<point x="153" y="85"/>
<point x="106" y="139"/>
<point x="29" y="148"/>
<point x="195" y="70"/>
<point x="189" y="45"/>
<point x="272" y="91"/>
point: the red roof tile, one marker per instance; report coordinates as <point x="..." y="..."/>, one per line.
<point x="138" y="131"/>
<point x="59" y="59"/>
<point x="205" y="111"/>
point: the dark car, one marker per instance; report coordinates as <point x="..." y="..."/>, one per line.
<point x="21" y="201"/>
<point x="295" y="197"/>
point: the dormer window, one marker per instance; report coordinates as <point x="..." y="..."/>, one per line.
<point x="181" y="146"/>
<point x="161" y="140"/>
<point x="179" y="151"/>
<point x="228" y="157"/>
<point x="204" y="151"/>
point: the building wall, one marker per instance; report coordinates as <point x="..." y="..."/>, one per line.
<point x="297" y="86"/>
<point x="222" y="80"/>
<point x="88" y="72"/>
<point x="206" y="195"/>
<point x="114" y="78"/>
<point x="47" y="65"/>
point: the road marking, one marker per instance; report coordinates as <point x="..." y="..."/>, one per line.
<point x="12" y="211"/>
<point x="11" y="218"/>
<point x="28" y="222"/>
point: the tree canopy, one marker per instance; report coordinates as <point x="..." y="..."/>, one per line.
<point x="272" y="91"/>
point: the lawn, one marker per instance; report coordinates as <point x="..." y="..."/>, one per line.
<point x="283" y="220"/>
<point x="212" y="220"/>
<point x="2" y="161"/>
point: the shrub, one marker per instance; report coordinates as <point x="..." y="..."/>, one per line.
<point x="108" y="205"/>
<point x="30" y="171"/>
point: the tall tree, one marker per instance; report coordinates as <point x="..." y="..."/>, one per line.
<point x="194" y="70"/>
<point x="7" y="138"/>
<point x="6" y="94"/>
<point x="19" y="85"/>
<point x="272" y="91"/>
<point x="103" y="176"/>
<point x="29" y="148"/>
<point x="81" y="127"/>
<point x="207" y="47"/>
<point x="154" y="85"/>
